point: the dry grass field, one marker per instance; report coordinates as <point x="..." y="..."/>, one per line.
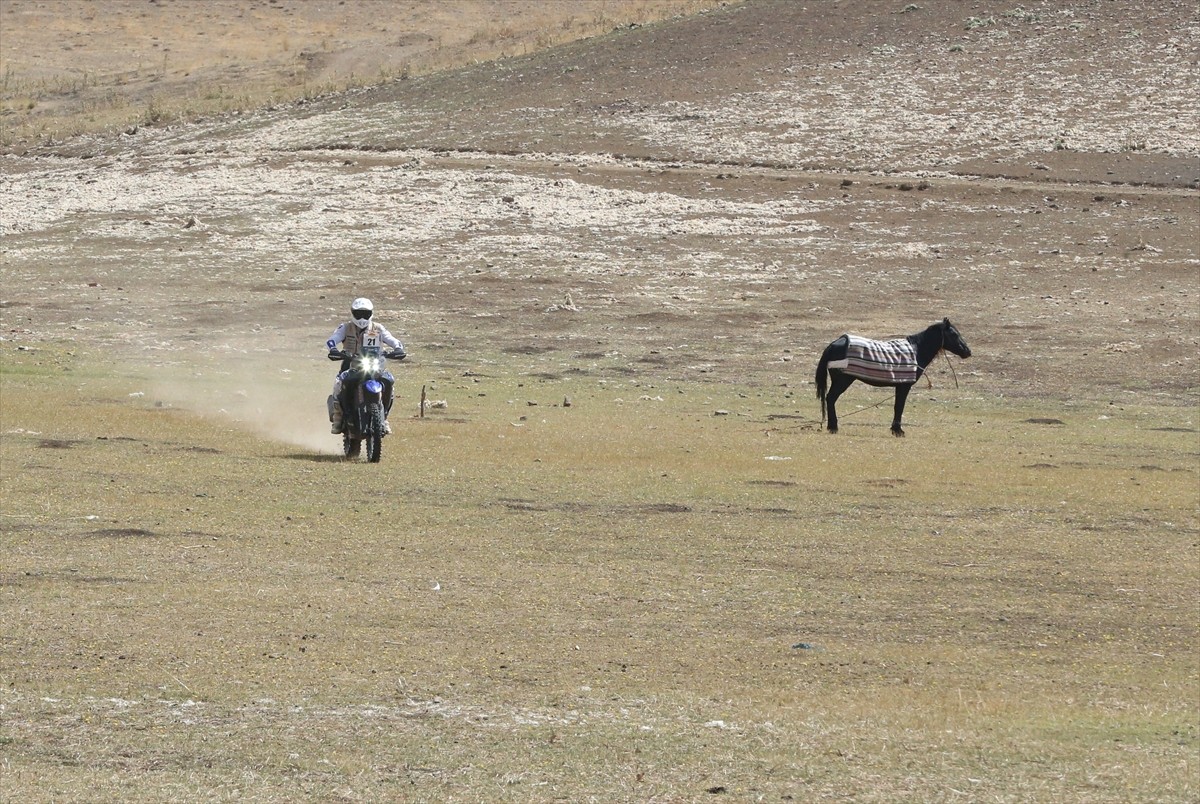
<point x="621" y="562"/>
<point x="69" y="67"/>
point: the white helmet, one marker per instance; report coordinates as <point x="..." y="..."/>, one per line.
<point x="361" y="310"/>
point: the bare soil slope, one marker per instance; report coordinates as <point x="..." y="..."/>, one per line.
<point x="1020" y="92"/>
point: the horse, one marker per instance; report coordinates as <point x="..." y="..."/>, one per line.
<point x="897" y="363"/>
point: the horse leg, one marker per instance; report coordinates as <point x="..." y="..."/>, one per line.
<point x="837" y="384"/>
<point x="901" y="398"/>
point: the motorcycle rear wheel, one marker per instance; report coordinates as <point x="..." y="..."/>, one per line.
<point x="351" y="446"/>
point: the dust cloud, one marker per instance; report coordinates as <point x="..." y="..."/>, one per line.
<point x="278" y="401"/>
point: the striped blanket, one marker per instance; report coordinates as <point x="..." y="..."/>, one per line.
<point x="890" y="362"/>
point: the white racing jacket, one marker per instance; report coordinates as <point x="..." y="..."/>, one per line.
<point x="351" y="337"/>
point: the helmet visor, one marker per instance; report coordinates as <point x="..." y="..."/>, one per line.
<point x="361" y="314"/>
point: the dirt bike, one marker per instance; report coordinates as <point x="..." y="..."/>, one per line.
<point x="363" y="418"/>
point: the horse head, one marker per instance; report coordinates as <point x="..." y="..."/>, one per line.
<point x="952" y="341"/>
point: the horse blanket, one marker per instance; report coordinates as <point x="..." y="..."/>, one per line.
<point x="889" y="362"/>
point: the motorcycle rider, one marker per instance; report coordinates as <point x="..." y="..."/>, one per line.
<point x="361" y="330"/>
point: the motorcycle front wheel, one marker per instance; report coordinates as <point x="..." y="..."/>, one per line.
<point x="374" y="432"/>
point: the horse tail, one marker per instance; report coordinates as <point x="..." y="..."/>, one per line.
<point x="822" y="380"/>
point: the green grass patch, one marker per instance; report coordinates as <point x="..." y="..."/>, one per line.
<point x="652" y="592"/>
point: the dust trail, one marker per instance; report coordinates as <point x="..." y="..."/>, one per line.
<point x="274" y="399"/>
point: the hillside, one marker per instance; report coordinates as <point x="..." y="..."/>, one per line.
<point x="753" y="167"/>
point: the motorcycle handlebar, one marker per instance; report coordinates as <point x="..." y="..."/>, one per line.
<point x="335" y="354"/>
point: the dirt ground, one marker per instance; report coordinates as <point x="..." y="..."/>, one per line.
<point x="725" y="192"/>
<point x="676" y="215"/>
